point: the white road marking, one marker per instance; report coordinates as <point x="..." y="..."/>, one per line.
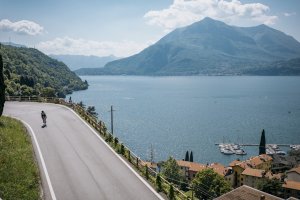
<point x="101" y="139"/>
<point x="42" y="159"/>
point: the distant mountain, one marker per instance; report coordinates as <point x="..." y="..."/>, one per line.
<point x="75" y="62"/>
<point x="28" y="72"/>
<point x="210" y="47"/>
<point x="13" y="44"/>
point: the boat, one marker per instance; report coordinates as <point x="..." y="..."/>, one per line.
<point x="228" y="152"/>
<point x="240" y="152"/>
<point x="283" y="153"/>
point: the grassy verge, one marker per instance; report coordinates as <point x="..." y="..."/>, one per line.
<point x="19" y="175"/>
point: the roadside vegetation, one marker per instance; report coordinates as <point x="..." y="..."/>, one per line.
<point x="19" y="174"/>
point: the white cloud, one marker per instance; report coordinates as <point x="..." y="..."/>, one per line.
<point x="289" y="14"/>
<point x="185" y="12"/>
<point x="68" y="45"/>
<point x="22" y="27"/>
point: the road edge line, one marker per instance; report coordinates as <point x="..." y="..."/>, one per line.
<point x="126" y="164"/>
<point x="52" y="194"/>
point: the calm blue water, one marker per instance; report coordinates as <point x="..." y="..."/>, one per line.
<point x="176" y="114"/>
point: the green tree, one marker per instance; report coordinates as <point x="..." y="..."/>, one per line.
<point x="171" y="171"/>
<point x="187" y="156"/>
<point x="81" y="104"/>
<point x="208" y="184"/>
<point x="262" y="144"/>
<point x="48" y="92"/>
<point x="2" y="87"/>
<point x="191" y="157"/>
<point x="92" y="111"/>
<point x="158" y="183"/>
<point x="171" y="194"/>
<point x="271" y="186"/>
<point x="146" y="172"/>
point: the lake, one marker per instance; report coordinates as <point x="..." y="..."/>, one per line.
<point x="179" y="114"/>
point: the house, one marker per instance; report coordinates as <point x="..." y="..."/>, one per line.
<point x="291" y="184"/>
<point x="151" y="165"/>
<point x="247" y="193"/>
<point x="190" y="169"/>
<point x="293" y="174"/>
<point x="261" y="162"/>
<point x="251" y="176"/>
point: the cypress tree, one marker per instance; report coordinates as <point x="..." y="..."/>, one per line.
<point x="158" y="183"/>
<point x="187" y="156"/>
<point x="2" y="87"/>
<point x="191" y="157"/>
<point x="262" y="144"/>
<point x="146" y="172"/>
<point x="171" y="193"/>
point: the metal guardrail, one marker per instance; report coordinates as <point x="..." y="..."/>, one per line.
<point x="100" y="127"/>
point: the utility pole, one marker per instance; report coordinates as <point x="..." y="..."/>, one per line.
<point x="112" y="119"/>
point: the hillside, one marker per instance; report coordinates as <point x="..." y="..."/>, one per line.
<point x="28" y="71"/>
<point x="75" y="62"/>
<point x="210" y="47"/>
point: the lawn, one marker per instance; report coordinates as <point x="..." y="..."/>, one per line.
<point x="19" y="174"/>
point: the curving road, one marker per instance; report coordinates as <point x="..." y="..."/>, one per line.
<point x="74" y="162"/>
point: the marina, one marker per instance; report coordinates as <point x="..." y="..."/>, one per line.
<point x="271" y="149"/>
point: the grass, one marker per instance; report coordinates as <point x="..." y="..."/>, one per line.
<point x="19" y="175"/>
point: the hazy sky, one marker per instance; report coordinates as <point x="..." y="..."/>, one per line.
<point x="125" y="27"/>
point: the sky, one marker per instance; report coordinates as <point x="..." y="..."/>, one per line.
<point x="125" y="27"/>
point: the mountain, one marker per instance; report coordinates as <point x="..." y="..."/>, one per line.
<point x="75" y="62"/>
<point x="28" y="71"/>
<point x="13" y="44"/>
<point x="209" y="47"/>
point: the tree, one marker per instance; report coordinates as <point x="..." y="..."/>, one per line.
<point x="158" y="183"/>
<point x="271" y="186"/>
<point x="146" y="172"/>
<point x="92" y="111"/>
<point x="81" y="104"/>
<point x="171" y="194"/>
<point x="262" y="144"/>
<point x="191" y="157"/>
<point x="171" y="171"/>
<point x="187" y="156"/>
<point x="208" y="184"/>
<point x="2" y="87"/>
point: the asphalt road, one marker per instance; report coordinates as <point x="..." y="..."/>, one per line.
<point x="74" y="162"/>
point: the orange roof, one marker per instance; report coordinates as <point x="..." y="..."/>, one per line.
<point x="253" y="172"/>
<point x="217" y="167"/>
<point x="196" y="167"/>
<point x="252" y="162"/>
<point x="183" y="163"/>
<point x="296" y="169"/>
<point x="234" y="163"/>
<point x="291" y="185"/>
<point x="192" y="166"/>
<point x="257" y="160"/>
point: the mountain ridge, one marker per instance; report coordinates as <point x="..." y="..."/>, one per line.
<point x="75" y="62"/>
<point x="209" y="47"/>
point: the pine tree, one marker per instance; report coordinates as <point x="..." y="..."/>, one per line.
<point x="2" y="87"/>
<point x="262" y="144"/>
<point x="191" y="157"/>
<point x="187" y="156"/>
